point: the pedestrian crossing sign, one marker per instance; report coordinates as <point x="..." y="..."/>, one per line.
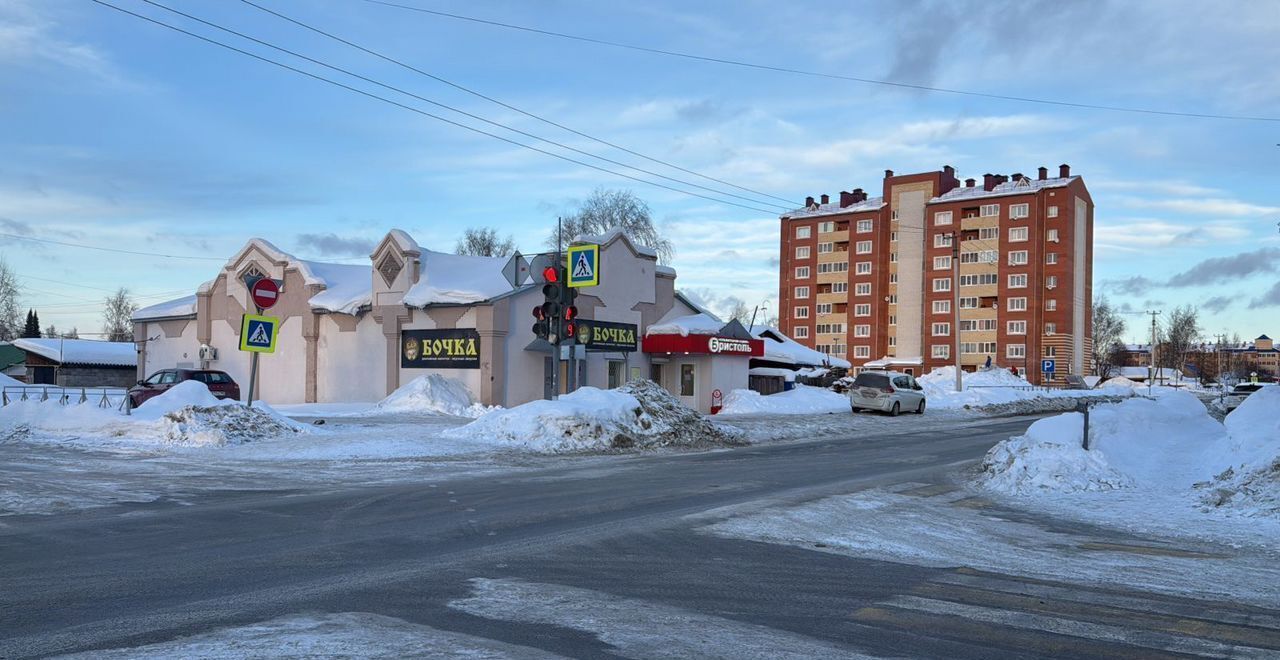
<point x="258" y="333"/>
<point x="584" y="265"/>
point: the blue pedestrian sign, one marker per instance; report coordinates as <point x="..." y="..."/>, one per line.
<point x="258" y="333"/>
<point x="584" y="265"/>
<point x="1047" y="366"/>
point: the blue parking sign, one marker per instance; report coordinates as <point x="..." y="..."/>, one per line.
<point x="1047" y="366"/>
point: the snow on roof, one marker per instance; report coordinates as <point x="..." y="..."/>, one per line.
<point x="452" y="278"/>
<point x="665" y="270"/>
<point x="347" y="287"/>
<point x="613" y="235"/>
<point x="872" y="204"/>
<point x="82" y="351"/>
<point x="693" y="301"/>
<point x="886" y="362"/>
<point x="781" y="348"/>
<point x="1021" y="187"/>
<point x="775" y="372"/>
<point x="692" y="324"/>
<point x="178" y="307"/>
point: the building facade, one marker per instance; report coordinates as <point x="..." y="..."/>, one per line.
<point x="872" y="279"/>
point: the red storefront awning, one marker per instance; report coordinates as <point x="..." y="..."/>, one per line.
<point x="702" y="344"/>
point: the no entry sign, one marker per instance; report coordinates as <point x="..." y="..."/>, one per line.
<point x="264" y="292"/>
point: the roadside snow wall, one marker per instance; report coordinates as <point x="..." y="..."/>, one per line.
<point x="433" y="394"/>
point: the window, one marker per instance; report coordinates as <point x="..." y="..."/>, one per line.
<point x="833" y="267"/>
<point x="942" y="218"/>
<point x="802" y="252"/>
<point x="988" y="233"/>
<point x="1051" y="212"/>
<point x="895" y="214"/>
<point x="990" y="210"/>
<point x="824" y="308"/>
<point x="802" y="232"/>
<point x="893" y="236"/>
<point x="802" y="292"/>
<point x="1016" y="327"/>
<point x="893" y="257"/>
<point x="862" y="310"/>
<point x="801" y="332"/>
<point x="864" y="226"/>
<point x="862" y="289"/>
<point x="802" y="272"/>
<point x="802" y="312"/>
<point x="941" y="263"/>
<point x="892" y="299"/>
<point x="1050" y="305"/>
<point x="1051" y="282"/>
<point x="941" y="329"/>
<point x="826" y="248"/>
<point x="1051" y="236"/>
<point x="1018" y="258"/>
<point x="826" y="227"/>
<point x="1017" y="304"/>
<point x="893" y="278"/>
<point x="1050" y="328"/>
<point x="862" y="268"/>
<point x="686" y="380"/>
<point x="1019" y="211"/>
<point x="616" y="374"/>
<point x="977" y="347"/>
<point x="941" y="240"/>
<point x="169" y="377"/>
<point x="893" y="341"/>
<point x="1015" y="350"/>
<point x="863" y="247"/>
<point x="839" y="287"/>
<point x="968" y="303"/>
<point x="941" y="351"/>
<point x="979" y="280"/>
<point x="942" y="284"/>
<point x="893" y="320"/>
<point x="861" y="331"/>
<point x="1051" y="351"/>
<point x="1051" y="258"/>
<point x="1016" y="234"/>
<point x="830" y="328"/>
<point x="942" y="307"/>
<point x="862" y="351"/>
<point x="1018" y="281"/>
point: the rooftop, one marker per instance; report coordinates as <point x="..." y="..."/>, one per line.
<point x="1023" y="186"/>
<point x="82" y="351"/>
<point x="834" y="208"/>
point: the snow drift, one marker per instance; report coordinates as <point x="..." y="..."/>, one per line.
<point x="433" y="394"/>
<point x="1251" y="484"/>
<point x="803" y="400"/>
<point x="998" y="387"/>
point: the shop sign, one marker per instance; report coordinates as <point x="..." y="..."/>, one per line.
<point x="440" y="349"/>
<point x="607" y="335"/>
<point x="703" y="344"/>
<point x="726" y="345"/>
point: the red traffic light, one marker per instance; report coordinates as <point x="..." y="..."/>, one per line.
<point x="551" y="274"/>
<point x="538" y="313"/>
<point x="569" y="330"/>
<point x="570" y="312"/>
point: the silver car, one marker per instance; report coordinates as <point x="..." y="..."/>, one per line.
<point x="886" y="391"/>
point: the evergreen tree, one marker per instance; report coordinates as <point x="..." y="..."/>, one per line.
<point x="32" y="329"/>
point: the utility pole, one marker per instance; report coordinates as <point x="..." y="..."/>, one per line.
<point x="1218" y="351"/>
<point x="1152" y="370"/>
<point x="955" y="305"/>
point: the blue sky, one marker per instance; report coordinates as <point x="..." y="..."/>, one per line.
<point x="122" y="134"/>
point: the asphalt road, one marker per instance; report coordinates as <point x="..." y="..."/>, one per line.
<point x="616" y="530"/>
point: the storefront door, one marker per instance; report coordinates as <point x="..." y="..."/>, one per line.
<point x="688" y="385"/>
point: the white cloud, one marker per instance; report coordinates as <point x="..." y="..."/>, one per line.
<point x="1145" y="234"/>
<point x="1211" y="206"/>
<point x="27" y="35"/>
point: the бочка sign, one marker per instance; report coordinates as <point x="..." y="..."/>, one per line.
<point x="458" y="348"/>
<point x="607" y="335"/>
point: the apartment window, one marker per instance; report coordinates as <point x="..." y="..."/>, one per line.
<point x="1051" y="236"/>
<point x="1016" y="327"/>
<point x="1051" y="258"/>
<point x="1018" y="258"/>
<point x="942" y="218"/>
<point x="941" y="329"/>
<point x="839" y="287"/>
<point x="802" y="252"/>
<point x="942" y="284"/>
<point x="893" y="320"/>
<point x="1051" y="212"/>
<point x="895" y="214"/>
<point x="893" y="236"/>
<point x="861" y="331"/>
<point x="941" y="263"/>
<point x="942" y="307"/>
<point x="990" y="210"/>
<point x="968" y="303"/>
<point x="826" y="248"/>
<point x="833" y="267"/>
<point x="801" y="332"/>
<point x="803" y="232"/>
<point x="1015" y="350"/>
<point x="980" y="279"/>
<point x="1016" y="234"/>
<point x="988" y="233"/>
<point x="1051" y="328"/>
<point x="941" y="240"/>
<point x="941" y="351"/>
<point x="986" y="324"/>
<point x="824" y="308"/>
<point x="1051" y="282"/>
<point x="893" y="257"/>
<point x="893" y="341"/>
<point x="892" y="299"/>
<point x="802" y="292"/>
<point x="863" y="247"/>
<point x="862" y="310"/>
<point x="1017" y="304"/>
<point x="802" y="312"/>
<point x="1051" y="351"/>
<point x="893" y="278"/>
<point x="1019" y="211"/>
<point x="862" y="289"/>
<point x="864" y="226"/>
<point x="862" y="268"/>
<point x="802" y="272"/>
<point x="826" y="227"/>
<point x="862" y="351"/>
<point x="977" y="347"/>
<point x="1018" y="281"/>
<point x="1050" y="305"/>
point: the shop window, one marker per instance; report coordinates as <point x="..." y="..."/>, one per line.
<point x="686" y="380"/>
<point x="655" y="373"/>
<point x="615" y="374"/>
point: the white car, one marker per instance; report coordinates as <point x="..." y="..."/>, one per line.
<point x="887" y="391"/>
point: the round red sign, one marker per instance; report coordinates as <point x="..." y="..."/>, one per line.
<point x="715" y="394"/>
<point x="264" y="292"/>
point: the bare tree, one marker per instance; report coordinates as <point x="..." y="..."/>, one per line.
<point x="1180" y="332"/>
<point x="11" y="321"/>
<point x="117" y="318"/>
<point x="71" y="334"/>
<point x="606" y="210"/>
<point x="740" y="312"/>
<point x="51" y="332"/>
<point x="485" y="242"/>
<point x="1108" y="330"/>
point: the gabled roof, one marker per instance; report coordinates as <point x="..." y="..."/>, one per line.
<point x="82" y="351"/>
<point x="1263" y="337"/>
<point x="178" y="308"/>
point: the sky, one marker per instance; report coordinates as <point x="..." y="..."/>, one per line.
<point x="122" y="134"/>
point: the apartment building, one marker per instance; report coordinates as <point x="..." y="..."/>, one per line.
<point x="871" y="279"/>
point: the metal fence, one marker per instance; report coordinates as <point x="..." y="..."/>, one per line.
<point x="102" y="397"/>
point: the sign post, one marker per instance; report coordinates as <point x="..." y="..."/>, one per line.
<point x="258" y="333"/>
<point x="1047" y="367"/>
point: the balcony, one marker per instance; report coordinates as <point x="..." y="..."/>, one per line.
<point x="833" y="298"/>
<point x="829" y="278"/>
<point x="834" y="236"/>
<point x="828" y="257"/>
<point x="979" y="222"/>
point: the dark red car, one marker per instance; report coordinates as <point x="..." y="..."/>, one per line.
<point x="219" y="383"/>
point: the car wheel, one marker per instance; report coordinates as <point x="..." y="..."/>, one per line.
<point x="855" y="408"/>
<point x="893" y="412"/>
<point x="920" y="408"/>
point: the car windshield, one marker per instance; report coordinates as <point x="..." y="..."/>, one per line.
<point x="216" y="377"/>
<point x="871" y="380"/>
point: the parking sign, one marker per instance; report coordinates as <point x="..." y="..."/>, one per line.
<point x="1047" y="366"/>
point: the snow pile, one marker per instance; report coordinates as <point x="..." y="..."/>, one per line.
<point x="1050" y="458"/>
<point x="1121" y="381"/>
<point x="433" y="394"/>
<point x="803" y="400"/>
<point x="6" y="381"/>
<point x="1251" y="485"/>
<point x="999" y="387"/>
<point x="640" y="414"/>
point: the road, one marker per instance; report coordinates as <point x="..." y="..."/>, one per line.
<point x="599" y="559"/>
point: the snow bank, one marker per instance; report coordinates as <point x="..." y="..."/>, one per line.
<point x="1121" y="381"/>
<point x="6" y="381"/>
<point x="1251" y="484"/>
<point x="639" y="414"/>
<point x="803" y="400"/>
<point x="995" y="387"/>
<point x="433" y="394"/>
<point x="1050" y="457"/>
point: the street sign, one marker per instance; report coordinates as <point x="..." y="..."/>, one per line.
<point x="584" y="265"/>
<point x="265" y="292"/>
<point x="258" y="333"/>
<point x="1047" y="366"/>
<point x="517" y="270"/>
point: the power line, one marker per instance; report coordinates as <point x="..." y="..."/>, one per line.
<point x="105" y="249"/>
<point x="818" y="74"/>
<point x="511" y="107"/>
<point x="85" y="286"/>
<point x="441" y="105"/>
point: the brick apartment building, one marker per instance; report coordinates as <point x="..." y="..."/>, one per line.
<point x="870" y="279"/>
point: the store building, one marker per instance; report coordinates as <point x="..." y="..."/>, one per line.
<point x="355" y="333"/>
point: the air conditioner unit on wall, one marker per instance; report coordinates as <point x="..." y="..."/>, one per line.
<point x="208" y="353"/>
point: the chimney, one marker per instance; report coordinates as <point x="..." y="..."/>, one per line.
<point x="988" y="181"/>
<point x="826" y="200"/>
<point x="1001" y="179"/>
<point x="846" y="199"/>
<point x="808" y="201"/>
<point x="1044" y="173"/>
<point x="1017" y="176"/>
<point x="859" y="195"/>
<point x="948" y="170"/>
<point x="1064" y="171"/>
<point x="968" y="183"/>
<point x="888" y="174"/>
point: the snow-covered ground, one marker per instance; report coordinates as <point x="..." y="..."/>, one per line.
<point x="803" y="400"/>
<point x="995" y="387"/>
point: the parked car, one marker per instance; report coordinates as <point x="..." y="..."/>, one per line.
<point x="1232" y="400"/>
<point x="219" y="383"/>
<point x="886" y="391"/>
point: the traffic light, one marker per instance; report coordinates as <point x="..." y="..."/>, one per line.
<point x="540" y="326"/>
<point x="548" y="313"/>
<point x="568" y="311"/>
